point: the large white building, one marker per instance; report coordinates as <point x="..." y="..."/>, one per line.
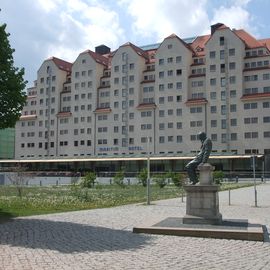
<point x="109" y="103"/>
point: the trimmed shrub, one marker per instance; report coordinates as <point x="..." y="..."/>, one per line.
<point x="160" y="180"/>
<point x="119" y="179"/>
<point x="218" y="177"/>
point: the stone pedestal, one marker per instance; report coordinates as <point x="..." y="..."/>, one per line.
<point x="202" y="206"/>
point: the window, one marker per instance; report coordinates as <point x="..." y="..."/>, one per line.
<point x="222" y="68"/>
<point x="161" y="74"/>
<point x="213" y="109"/>
<point x="161" y="139"/>
<point x="231" y="52"/>
<point x="212" y="68"/>
<point x="169" y="60"/>
<point x="146" y="114"/>
<point x="223" y="123"/>
<point x="170" y="112"/>
<point x="223" y="81"/>
<point x="178" y="85"/>
<point x="266" y="119"/>
<point x="221" y="54"/>
<point x="232" y="65"/>
<point x="213" y="95"/>
<point x="178" y="59"/>
<point x="213" y="123"/>
<point x="179" y="125"/>
<point x="266" y="134"/>
<point x="179" y="72"/>
<point x="161" y="126"/>
<point x="213" y="81"/>
<point x="223" y="109"/>
<point x="161" y="87"/>
<point x="179" y="139"/>
<point x="161" y="100"/>
<point x="266" y="105"/>
<point x="161" y="61"/>
<point x="249" y="106"/>
<point x="233" y="93"/>
<point x="266" y="76"/>
<point x="196" y="110"/>
<point x="233" y="122"/>
<point x="221" y="41"/>
<point x="214" y="137"/>
<point x="233" y="136"/>
<point x="233" y="108"/>
<point x="178" y="112"/>
<point x="212" y="54"/>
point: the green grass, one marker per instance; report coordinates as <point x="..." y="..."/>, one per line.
<point x="43" y="200"/>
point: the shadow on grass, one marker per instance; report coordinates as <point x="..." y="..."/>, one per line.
<point x="68" y="237"/>
<point x="5" y="216"/>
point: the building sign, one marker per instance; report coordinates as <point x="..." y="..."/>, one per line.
<point x="116" y="148"/>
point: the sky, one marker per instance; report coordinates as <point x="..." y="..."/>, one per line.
<point x="40" y="29"/>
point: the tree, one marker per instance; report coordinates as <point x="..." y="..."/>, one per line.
<point x="19" y="177"/>
<point x="12" y="84"/>
<point x="177" y="178"/>
<point x="142" y="176"/>
<point x="119" y="178"/>
<point x="88" y="180"/>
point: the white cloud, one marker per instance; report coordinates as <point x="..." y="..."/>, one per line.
<point x="235" y="16"/>
<point x="157" y="19"/>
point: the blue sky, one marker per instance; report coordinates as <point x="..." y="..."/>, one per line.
<point x="63" y="28"/>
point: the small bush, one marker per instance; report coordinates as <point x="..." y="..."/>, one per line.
<point x="177" y="178"/>
<point x="218" y="177"/>
<point x="160" y="180"/>
<point x="88" y="180"/>
<point x="119" y="179"/>
<point x="142" y="176"/>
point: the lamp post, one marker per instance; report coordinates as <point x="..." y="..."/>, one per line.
<point x="148" y="170"/>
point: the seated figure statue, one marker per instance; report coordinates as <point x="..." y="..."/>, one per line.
<point x="201" y="158"/>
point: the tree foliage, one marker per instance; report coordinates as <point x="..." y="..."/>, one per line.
<point x="19" y="177"/>
<point x="119" y="178"/>
<point x="12" y="84"/>
<point x="142" y="176"/>
<point x="88" y="180"/>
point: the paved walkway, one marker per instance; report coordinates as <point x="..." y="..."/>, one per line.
<point x="102" y="239"/>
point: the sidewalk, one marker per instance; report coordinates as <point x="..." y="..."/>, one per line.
<point x="103" y="238"/>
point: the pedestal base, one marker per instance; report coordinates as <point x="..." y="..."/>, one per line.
<point x="202" y="205"/>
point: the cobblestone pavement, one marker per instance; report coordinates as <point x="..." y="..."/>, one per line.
<point x="103" y="239"/>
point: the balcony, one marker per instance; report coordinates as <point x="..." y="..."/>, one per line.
<point x="255" y="96"/>
<point x="196" y="101"/>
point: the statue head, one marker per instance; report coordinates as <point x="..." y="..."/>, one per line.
<point x="202" y="136"/>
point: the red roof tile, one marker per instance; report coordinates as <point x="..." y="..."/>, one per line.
<point x="101" y="59"/>
<point x="144" y="106"/>
<point x="198" y="45"/>
<point x="196" y="101"/>
<point x="265" y="42"/>
<point x="61" y="64"/>
<point x="248" y="39"/>
<point x="256" y="96"/>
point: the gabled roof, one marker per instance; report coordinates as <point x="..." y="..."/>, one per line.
<point x="138" y="50"/>
<point x="181" y="40"/>
<point x="265" y="42"/>
<point x="61" y="64"/>
<point x="97" y="57"/>
<point x="198" y="44"/>
<point x="248" y="39"/>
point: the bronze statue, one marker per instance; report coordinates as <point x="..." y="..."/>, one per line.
<point x="201" y="158"/>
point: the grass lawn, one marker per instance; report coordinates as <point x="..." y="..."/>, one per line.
<point x="43" y="200"/>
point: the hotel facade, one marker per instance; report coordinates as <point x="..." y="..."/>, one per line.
<point x="158" y="96"/>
